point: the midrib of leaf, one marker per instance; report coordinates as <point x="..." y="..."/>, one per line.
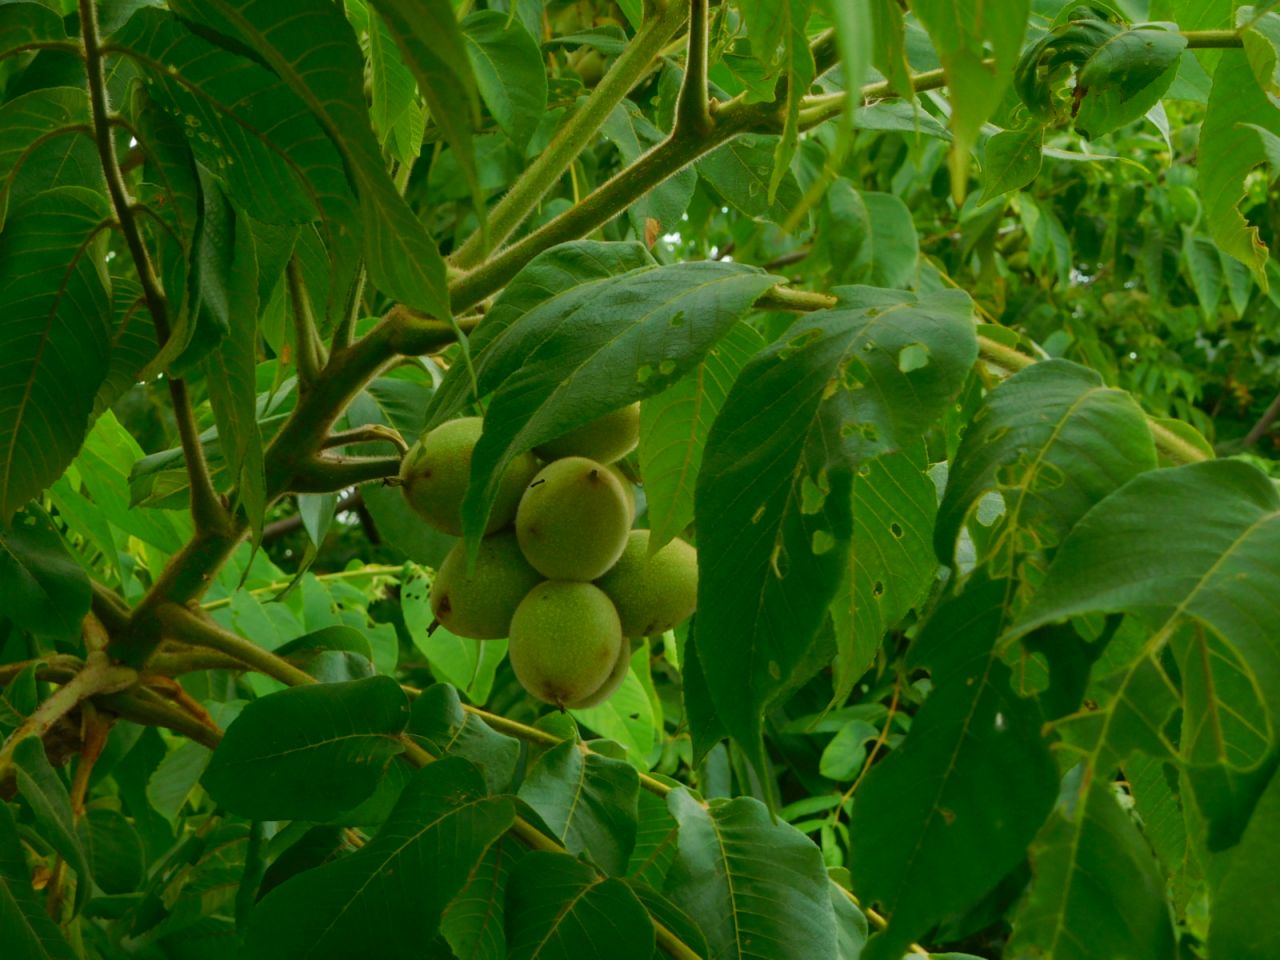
<point x="577" y="792"/>
<point x="686" y="463"/>
<point x="453" y="811"/>
<point x="45" y="334"/>
<point x="728" y="879"/>
<point x="313" y="745"/>
<point x="489" y="900"/>
<point x="562" y="914"/>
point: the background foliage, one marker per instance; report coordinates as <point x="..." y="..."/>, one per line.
<point x="964" y="383"/>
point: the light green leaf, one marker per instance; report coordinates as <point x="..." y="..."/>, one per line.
<point x="509" y="72"/>
<point x="468" y="664"/>
<point x="53" y="288"/>
<point x="869" y="237"/>
<point x="673" y="432"/>
<point x="308" y="753"/>
<point x="756" y="887"/>
<point x="1011" y="160"/>
<point x="1229" y="150"/>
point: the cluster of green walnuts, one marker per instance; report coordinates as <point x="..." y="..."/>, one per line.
<point x="559" y="571"/>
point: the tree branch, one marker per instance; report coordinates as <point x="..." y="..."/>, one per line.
<point x="190" y="627"/>
<point x="369" y="433"/>
<point x="542" y="174"/>
<point x="1259" y="429"/>
<point x="331" y="474"/>
<point x="206" y="508"/>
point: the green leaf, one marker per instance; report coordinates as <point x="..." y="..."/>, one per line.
<point x="742" y="172"/>
<point x="56" y="330"/>
<point x="509" y="72"/>
<point x="655" y="848"/>
<point x="1098" y="892"/>
<point x="39" y="785"/>
<point x="473" y="923"/>
<point x="1011" y="160"/>
<point x="589" y="801"/>
<point x="133" y="343"/>
<point x="891" y="562"/>
<point x="628" y="716"/>
<point x="45" y="590"/>
<point x="756" y="887"/>
<point x="559" y="908"/>
<point x="944" y="817"/>
<point x="773" y="502"/>
<point x="1248" y="879"/>
<point x="550" y="371"/>
<point x="387" y="898"/>
<point x="433" y="47"/>
<point x="41" y="147"/>
<point x="308" y="753"/>
<point x="961" y="31"/>
<point x="230" y="369"/>
<point x="562" y="270"/>
<point x="312" y="49"/>
<point x="440" y="724"/>
<point x="1204" y="267"/>
<point x="870" y="237"/>
<point x="25" y="25"/>
<point x="25" y="927"/>
<point x="673" y="432"/>
<point x="1125" y="78"/>
<point x="395" y="112"/>
<point x="1052" y="440"/>
<point x="632" y="133"/>
<point x="113" y="849"/>
<point x="1229" y="150"/>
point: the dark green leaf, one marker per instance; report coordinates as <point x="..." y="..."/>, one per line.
<point x="45" y="590"/>
<point x="774" y="507"/>
<point x="25" y="928"/>
<point x="113" y="849"/>
<point x="755" y="886"/>
<point x="43" y="143"/>
<point x="387" y="898"/>
<point x="1098" y="893"/>
<point x="870" y="237"/>
<point x="442" y="726"/>
<point x="1011" y="160"/>
<point x="589" y="801"/>
<point x="945" y="816"/>
<point x="1053" y="440"/>
<point x="308" y="753"/>
<point x="39" y="785"/>
<point x="742" y="173"/>
<point x="1248" y="879"/>
<point x="474" y="921"/>
<point x="1125" y="78"/>
<point x="51" y="283"/>
<point x="559" y="908"/>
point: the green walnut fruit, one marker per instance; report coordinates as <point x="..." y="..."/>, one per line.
<point x="435" y="473"/>
<point x="603" y="440"/>
<point x="611" y="684"/>
<point x="573" y="518"/>
<point x="565" y="641"/>
<point x="652" y="593"/>
<point x="481" y="606"/>
<point x="628" y="490"/>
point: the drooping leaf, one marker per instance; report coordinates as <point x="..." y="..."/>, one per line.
<point x="308" y="753"/>
<point x="1125" y="78"/>
<point x="594" y="348"/>
<point x="387" y="898"/>
<point x="559" y="908"/>
<point x="756" y="887"/>
<point x="589" y="801"/>
<point x="311" y="47"/>
<point x="673" y="432"/>
<point x="870" y="237"/>
<point x="25" y="927"/>
<point x="960" y="31"/>
<point x="944" y="817"/>
<point x="1011" y="160"/>
<point x="773" y="502"/>
<point x="56" y="327"/>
